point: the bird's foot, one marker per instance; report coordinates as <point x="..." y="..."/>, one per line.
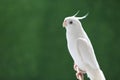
<point x="75" y="67"/>
<point x="79" y="73"/>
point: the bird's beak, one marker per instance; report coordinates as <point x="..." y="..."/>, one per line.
<point x="64" y="24"/>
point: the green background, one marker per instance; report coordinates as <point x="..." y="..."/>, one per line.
<point x="33" y="42"/>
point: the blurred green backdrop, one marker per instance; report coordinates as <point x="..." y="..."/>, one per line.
<point x="33" y="43"/>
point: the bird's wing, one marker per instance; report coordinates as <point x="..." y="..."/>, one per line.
<point x="86" y="53"/>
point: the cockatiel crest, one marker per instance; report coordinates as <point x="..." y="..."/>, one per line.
<point x="73" y="18"/>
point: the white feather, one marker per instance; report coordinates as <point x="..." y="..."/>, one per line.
<point x="76" y="14"/>
<point x="81" y="48"/>
<point x="80" y="17"/>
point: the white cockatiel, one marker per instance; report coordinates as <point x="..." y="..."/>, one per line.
<point x="81" y="49"/>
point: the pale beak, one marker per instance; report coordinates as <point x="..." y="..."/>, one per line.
<point x="64" y="24"/>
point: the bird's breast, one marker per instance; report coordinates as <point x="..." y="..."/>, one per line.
<point x="72" y="47"/>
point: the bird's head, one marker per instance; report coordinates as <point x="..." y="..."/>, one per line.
<point x="72" y="21"/>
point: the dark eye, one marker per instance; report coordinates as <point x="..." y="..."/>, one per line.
<point x="71" y="22"/>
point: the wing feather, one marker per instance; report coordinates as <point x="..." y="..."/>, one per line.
<point x="86" y="52"/>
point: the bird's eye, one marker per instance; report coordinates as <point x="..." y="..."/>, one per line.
<point x="71" y="22"/>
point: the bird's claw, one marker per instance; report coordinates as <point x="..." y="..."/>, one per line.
<point x="75" y="67"/>
<point x="79" y="73"/>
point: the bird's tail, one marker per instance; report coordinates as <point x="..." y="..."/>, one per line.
<point x="98" y="75"/>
